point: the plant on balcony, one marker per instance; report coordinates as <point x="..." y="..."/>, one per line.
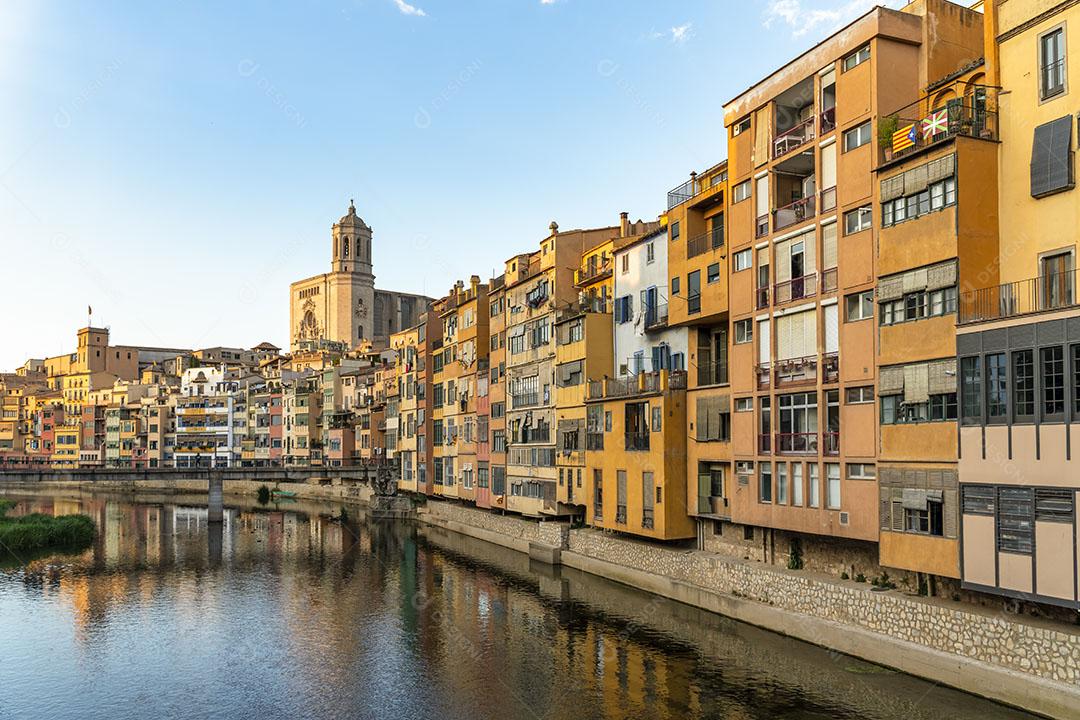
<point x="887" y="127"/>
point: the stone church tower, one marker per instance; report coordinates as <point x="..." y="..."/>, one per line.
<point x="343" y="306"/>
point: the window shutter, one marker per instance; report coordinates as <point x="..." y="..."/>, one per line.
<point x="783" y="261"/>
<point x="828" y="167"/>
<point x="762" y="190"/>
<point x="941" y="276"/>
<point x="891" y="288"/>
<point x="897" y="516"/>
<point x="809" y="241"/>
<point x="704" y="487"/>
<point x="832" y="328"/>
<point x="702" y="427"/>
<point x="916" y="383"/>
<point x="761" y="137"/>
<point x="809" y="343"/>
<point x="892" y="188"/>
<point x="941" y="168"/>
<point x="915" y="280"/>
<point x="764" y="348"/>
<point x="916" y="180"/>
<point x="942" y="377"/>
<point x="891" y="381"/>
<point x="762" y="256"/>
<point x="1051" y="157"/>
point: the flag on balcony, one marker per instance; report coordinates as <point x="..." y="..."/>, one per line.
<point x="935" y="123"/>
<point x="904" y="138"/>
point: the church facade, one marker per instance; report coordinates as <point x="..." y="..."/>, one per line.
<point x="342" y="307"/>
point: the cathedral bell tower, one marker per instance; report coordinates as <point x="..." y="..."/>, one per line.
<point x="352" y="244"/>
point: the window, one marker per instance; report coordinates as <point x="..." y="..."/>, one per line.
<point x="744" y="404"/>
<point x="861" y="471"/>
<point x="744" y="331"/>
<point x="927" y="520"/>
<point x="1076" y="380"/>
<point x="858" y="220"/>
<point x="650" y="253"/>
<point x="674" y="230"/>
<point x="815" y="485"/>
<point x="1015" y="520"/>
<point x="712" y="273"/>
<point x="624" y="310"/>
<point x="693" y="292"/>
<point x="1053" y="387"/>
<point x="832" y="490"/>
<point x="675" y="285"/>
<point x="1052" y="63"/>
<point x="857" y="58"/>
<point x="943" y="407"/>
<point x="996" y="387"/>
<point x="781" y="484"/>
<point x="857" y="136"/>
<point x="765" y="482"/>
<point x="624" y="263"/>
<point x="740" y="127"/>
<point x="938" y="196"/>
<point x="859" y="306"/>
<point x="741" y="192"/>
<point x="971" y="390"/>
<point x="657" y="418"/>
<point x="743" y="260"/>
<point x="859" y="395"/>
<point x="1024" y="385"/>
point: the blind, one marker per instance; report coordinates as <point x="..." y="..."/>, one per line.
<point x="942" y="376"/>
<point x="764" y="349"/>
<point x="648" y="490"/>
<point x="892" y="381"/>
<point x="828" y="167"/>
<point x="1051" y="157"/>
<point x="783" y="261"/>
<point x="621" y="486"/>
<point x="916" y="383"/>
<point x="941" y="276"/>
<point x="832" y="328"/>
<point x="828" y="246"/>
<point x="892" y="188"/>
<point x="762" y="257"/>
<point x="796" y="335"/>
<point x="762" y="191"/>
<point x="809" y="241"/>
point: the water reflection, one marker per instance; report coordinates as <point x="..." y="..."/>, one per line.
<point x="290" y="611"/>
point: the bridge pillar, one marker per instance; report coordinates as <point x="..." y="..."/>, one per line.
<point x="214" y="504"/>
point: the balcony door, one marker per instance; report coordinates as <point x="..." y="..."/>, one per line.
<point x="649" y="300"/>
<point x="1056" y="280"/>
<point x="798" y="422"/>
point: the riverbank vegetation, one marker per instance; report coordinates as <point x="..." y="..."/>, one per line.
<point x="35" y="531"/>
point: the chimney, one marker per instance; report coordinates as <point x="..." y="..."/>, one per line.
<point x="624" y="224"/>
<point x="554" y="227"/>
<point x="474" y="283"/>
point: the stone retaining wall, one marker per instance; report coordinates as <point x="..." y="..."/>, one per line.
<point x="1047" y="652"/>
<point x="513" y="527"/>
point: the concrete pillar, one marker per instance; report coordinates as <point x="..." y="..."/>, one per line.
<point x="214" y="504"/>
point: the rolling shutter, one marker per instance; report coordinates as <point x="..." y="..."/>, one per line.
<point x="942" y="377"/>
<point x="809" y="241"/>
<point x="761" y="137"/>
<point x="916" y="383"/>
<point x="832" y="328"/>
<point x="783" y="261"/>
<point x="828" y="167"/>
<point x="828" y="244"/>
<point x="764" y="348"/>
<point x="761" y="189"/>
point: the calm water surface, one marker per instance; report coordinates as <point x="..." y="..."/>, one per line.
<point x="285" y="611"/>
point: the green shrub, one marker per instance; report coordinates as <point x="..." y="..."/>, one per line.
<point x="263" y="495"/>
<point x="34" y="531"/>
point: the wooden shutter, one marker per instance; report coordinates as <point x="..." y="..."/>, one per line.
<point x="761" y="136"/>
<point x="704" y="487"/>
<point x="1051" y="157"/>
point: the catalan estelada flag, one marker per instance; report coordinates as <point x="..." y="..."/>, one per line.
<point x="904" y="138"/>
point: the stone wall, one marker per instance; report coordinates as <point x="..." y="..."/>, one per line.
<point x="512" y="526"/>
<point x="1047" y="651"/>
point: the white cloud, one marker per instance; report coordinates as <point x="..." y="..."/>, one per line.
<point x="678" y="34"/>
<point x="805" y="18"/>
<point x="548" y="2"/>
<point x="407" y="9"/>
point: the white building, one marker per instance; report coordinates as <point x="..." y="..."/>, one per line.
<point x="643" y="341"/>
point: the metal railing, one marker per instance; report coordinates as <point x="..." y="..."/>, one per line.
<point x="794" y="138"/>
<point x="637" y="440"/>
<point x="794" y="213"/>
<point x="526" y="399"/>
<point x="704" y="242"/>
<point x="830" y="368"/>
<point x="656" y="316"/>
<point x="695" y="186"/>
<point x="796" y="289"/>
<point x="594" y="441"/>
<point x="762" y="297"/>
<point x="713" y="373"/>
<point x="802" y="443"/>
<point x="764" y="375"/>
<point x="761" y="226"/>
<point x="963" y="118"/>
<point x="828" y="120"/>
<point x="796" y="371"/>
<point x="591" y="272"/>
<point x="828" y="280"/>
<point x="647" y="518"/>
<point x="831" y="443"/>
<point x="828" y="199"/>
<point x="1056" y="291"/>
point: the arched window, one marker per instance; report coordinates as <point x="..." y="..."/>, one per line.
<point x="346" y="247"/>
<point x="359" y="250"/>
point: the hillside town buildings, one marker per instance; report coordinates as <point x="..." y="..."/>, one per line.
<point x="853" y="345"/>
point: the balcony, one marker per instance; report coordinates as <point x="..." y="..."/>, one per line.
<point x="1056" y="291"/>
<point x="594" y="441"/>
<point x="713" y="373"/>
<point x="916" y="127"/>
<point x="801" y="443"/>
<point x="523" y="400"/>
<point x="828" y="121"/>
<point x="796" y="371"/>
<point x="796" y="289"/>
<point x="656" y="316"/>
<point x="793" y="138"/>
<point x="703" y="243"/>
<point x="696" y="185"/>
<point x="594" y="271"/>
<point x="645" y="383"/>
<point x="828" y="199"/>
<point x="637" y="441"/>
<point x="828" y="281"/>
<point x="830" y="366"/>
<point x="831" y="443"/>
<point x="764" y="375"/>
<point x="761" y="226"/>
<point x="762" y="297"/>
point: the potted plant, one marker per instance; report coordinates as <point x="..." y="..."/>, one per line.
<point x="887" y="127"/>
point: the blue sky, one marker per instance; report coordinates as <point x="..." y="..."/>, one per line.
<point x="175" y="165"/>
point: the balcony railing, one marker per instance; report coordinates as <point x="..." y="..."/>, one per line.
<point x="695" y="186"/>
<point x="620" y="514"/>
<point x="802" y="443"/>
<point x="592" y="272"/>
<point x="594" y="441"/>
<point x="526" y="399"/>
<point x="762" y="297"/>
<point x="764" y="375"/>
<point x="647" y="518"/>
<point x="764" y="443"/>
<point x="830" y="368"/>
<point x="828" y="199"/>
<point x="796" y="371"/>
<point x="794" y="138"/>
<point x="761" y="226"/>
<point x="828" y="120"/>
<point x="656" y="316"/>
<point x="637" y="440"/>
<point x="713" y="373"/>
<point x="1056" y="291"/>
<point x="828" y="280"/>
<point x="794" y="213"/>
<point x="831" y="443"/>
<point x="967" y="118"/>
<point x="704" y="242"/>
<point x="796" y="289"/>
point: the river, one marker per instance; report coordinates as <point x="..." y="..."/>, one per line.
<point x="288" y="611"/>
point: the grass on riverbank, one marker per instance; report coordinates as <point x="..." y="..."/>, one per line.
<point x="31" y="532"/>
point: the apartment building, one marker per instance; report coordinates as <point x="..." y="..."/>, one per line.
<point x="406" y="345"/>
<point x="1018" y="340"/>
<point x="472" y="318"/>
<point x="804" y="245"/>
<point x="494" y="496"/>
